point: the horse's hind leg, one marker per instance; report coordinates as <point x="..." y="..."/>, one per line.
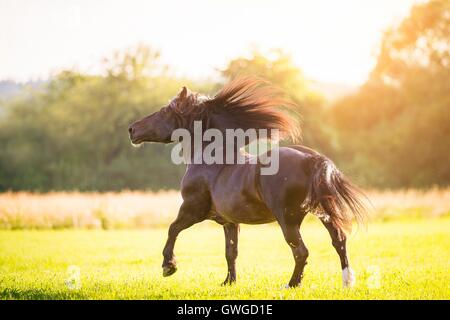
<point x="231" y="250"/>
<point x="290" y="224"/>
<point x="188" y="215"/>
<point x="338" y="240"/>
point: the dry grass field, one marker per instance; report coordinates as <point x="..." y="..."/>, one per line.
<point x="62" y="210"/>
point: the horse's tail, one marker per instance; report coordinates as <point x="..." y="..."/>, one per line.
<point x="334" y="193"/>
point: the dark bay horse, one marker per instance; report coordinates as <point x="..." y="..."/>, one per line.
<point x="231" y="194"/>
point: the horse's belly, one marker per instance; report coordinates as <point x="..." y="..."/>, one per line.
<point x="235" y="196"/>
<point x="237" y="209"/>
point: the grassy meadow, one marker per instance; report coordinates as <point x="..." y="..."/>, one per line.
<point x="108" y="246"/>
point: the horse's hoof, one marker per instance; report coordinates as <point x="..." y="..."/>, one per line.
<point x="228" y="282"/>
<point x="348" y="278"/>
<point x="291" y="286"/>
<point x="169" y="270"/>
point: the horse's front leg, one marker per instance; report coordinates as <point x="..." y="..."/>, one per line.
<point x="231" y="250"/>
<point x="290" y="221"/>
<point x="299" y="250"/>
<point x="189" y="214"/>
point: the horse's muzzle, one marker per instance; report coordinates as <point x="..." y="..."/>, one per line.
<point x="133" y="137"/>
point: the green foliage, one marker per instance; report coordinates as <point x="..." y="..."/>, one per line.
<point x="73" y="133"/>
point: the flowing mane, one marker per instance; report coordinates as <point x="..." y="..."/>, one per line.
<point x="244" y="103"/>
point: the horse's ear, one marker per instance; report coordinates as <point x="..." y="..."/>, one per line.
<point x="183" y="94"/>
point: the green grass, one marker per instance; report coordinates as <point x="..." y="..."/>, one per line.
<point x="410" y="258"/>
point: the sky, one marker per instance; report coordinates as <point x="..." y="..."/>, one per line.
<point x="331" y="41"/>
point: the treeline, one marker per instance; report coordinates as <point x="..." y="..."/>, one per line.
<point x="394" y="132"/>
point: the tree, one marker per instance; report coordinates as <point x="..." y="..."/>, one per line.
<point x="394" y="131"/>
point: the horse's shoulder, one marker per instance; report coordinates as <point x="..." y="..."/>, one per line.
<point x="195" y="180"/>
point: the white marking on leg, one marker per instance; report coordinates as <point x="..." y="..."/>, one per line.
<point x="323" y="216"/>
<point x="348" y="277"/>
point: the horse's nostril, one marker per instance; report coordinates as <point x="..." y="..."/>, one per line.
<point x="130" y="130"/>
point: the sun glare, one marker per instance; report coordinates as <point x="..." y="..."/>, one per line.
<point x="331" y="41"/>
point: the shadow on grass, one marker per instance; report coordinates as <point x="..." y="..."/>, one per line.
<point x="39" y="294"/>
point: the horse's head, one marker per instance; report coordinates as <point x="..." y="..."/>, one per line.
<point x="158" y="126"/>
